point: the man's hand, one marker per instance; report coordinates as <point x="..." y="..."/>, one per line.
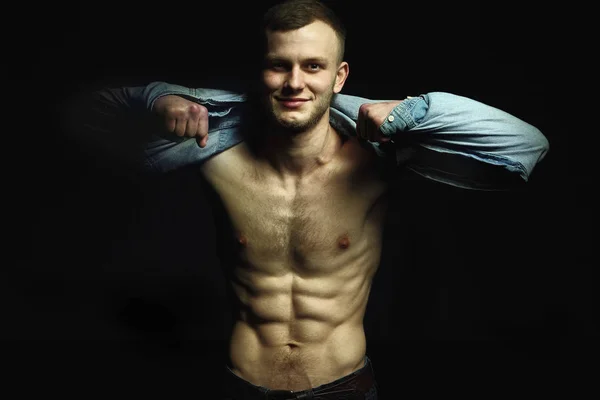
<point x="183" y="117"/>
<point x="371" y="117"/>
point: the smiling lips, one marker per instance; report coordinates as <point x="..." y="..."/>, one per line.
<point x="292" y="103"/>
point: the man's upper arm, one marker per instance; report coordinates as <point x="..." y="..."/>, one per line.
<point x="108" y="123"/>
<point x="465" y="143"/>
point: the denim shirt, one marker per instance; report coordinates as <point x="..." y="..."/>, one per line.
<point x="440" y="136"/>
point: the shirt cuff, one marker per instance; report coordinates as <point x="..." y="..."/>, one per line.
<point x="405" y="116"/>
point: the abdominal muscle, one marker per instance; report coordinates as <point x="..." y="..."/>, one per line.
<point x="294" y="333"/>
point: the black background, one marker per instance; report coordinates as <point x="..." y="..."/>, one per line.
<point x="114" y="283"/>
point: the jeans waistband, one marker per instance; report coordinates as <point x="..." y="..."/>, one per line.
<point x="358" y="384"/>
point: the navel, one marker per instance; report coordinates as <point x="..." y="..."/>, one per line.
<point x="344" y="242"/>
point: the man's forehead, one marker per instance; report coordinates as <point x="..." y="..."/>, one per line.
<point x="313" y="41"/>
<point x="316" y="32"/>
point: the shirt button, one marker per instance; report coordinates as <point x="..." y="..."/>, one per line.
<point x="391" y="118"/>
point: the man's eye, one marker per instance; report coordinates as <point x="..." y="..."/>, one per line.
<point x="314" y="67"/>
<point x="277" y="66"/>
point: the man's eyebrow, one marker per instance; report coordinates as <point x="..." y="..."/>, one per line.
<point x="316" y="60"/>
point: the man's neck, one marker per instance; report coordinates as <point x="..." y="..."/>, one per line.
<point x="299" y="154"/>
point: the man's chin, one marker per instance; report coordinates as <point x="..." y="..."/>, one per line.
<point x="292" y="126"/>
<point x="293" y="121"/>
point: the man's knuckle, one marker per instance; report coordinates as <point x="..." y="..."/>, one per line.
<point x="195" y="109"/>
<point x="202" y="112"/>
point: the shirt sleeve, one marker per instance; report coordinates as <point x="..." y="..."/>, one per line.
<point x="463" y="142"/>
<point x="119" y="123"/>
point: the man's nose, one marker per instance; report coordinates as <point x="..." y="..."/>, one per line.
<point x="295" y="79"/>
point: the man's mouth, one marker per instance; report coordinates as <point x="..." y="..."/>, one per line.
<point x="294" y="102"/>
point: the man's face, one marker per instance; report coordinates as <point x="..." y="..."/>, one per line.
<point x="301" y="74"/>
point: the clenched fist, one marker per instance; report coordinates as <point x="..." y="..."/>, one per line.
<point x="371" y="117"/>
<point x="183" y="117"/>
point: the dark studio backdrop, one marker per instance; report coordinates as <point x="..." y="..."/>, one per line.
<point x="116" y="282"/>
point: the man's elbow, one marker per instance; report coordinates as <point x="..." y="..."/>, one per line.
<point x="538" y="143"/>
<point x="533" y="149"/>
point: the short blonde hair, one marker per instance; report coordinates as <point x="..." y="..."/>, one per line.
<point x="294" y="14"/>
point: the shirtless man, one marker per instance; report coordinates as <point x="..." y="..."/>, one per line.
<point x="307" y="214"/>
<point x="305" y="202"/>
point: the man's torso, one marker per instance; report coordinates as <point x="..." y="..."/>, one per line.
<point x="304" y="253"/>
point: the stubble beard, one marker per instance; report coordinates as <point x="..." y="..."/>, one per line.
<point x="298" y="126"/>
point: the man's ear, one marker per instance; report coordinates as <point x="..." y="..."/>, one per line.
<point x="340" y="78"/>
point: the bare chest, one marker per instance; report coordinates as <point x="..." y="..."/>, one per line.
<point x="277" y="224"/>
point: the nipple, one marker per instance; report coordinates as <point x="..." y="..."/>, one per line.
<point x="241" y="239"/>
<point x="344" y="242"/>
